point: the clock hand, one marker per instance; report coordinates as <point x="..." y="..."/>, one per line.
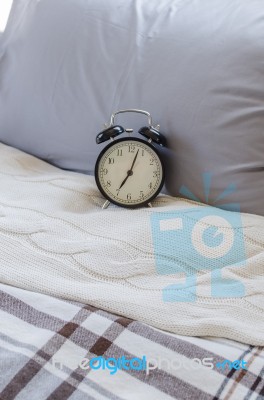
<point x="124" y="181"/>
<point x="132" y="166"/>
<point x="130" y="172"/>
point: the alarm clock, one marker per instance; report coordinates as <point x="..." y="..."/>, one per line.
<point x="129" y="172"/>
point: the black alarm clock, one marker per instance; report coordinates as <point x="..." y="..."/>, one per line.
<point x="129" y="172"/>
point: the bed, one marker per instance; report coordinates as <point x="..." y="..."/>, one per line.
<point x="58" y="307"/>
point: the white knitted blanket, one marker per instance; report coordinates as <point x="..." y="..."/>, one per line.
<point x="56" y="239"/>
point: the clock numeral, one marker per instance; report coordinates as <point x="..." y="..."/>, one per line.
<point x="108" y="183"/>
<point x="129" y="196"/>
<point x="155" y="174"/>
<point x="117" y="192"/>
<point x="111" y="161"/>
<point x="105" y="171"/>
<point x="119" y="152"/>
<point x="141" y="194"/>
<point x="151" y="161"/>
<point x="150" y="185"/>
<point x="131" y="149"/>
<point x="143" y="153"/>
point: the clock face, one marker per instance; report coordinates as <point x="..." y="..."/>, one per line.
<point x="129" y="172"/>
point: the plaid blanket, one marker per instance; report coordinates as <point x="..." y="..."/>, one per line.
<point x="47" y="346"/>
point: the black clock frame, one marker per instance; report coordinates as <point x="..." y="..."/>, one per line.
<point x="96" y="172"/>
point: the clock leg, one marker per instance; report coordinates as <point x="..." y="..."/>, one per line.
<point x="106" y="204"/>
<point x="150" y="205"/>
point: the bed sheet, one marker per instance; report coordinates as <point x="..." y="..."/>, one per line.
<point x="44" y="342"/>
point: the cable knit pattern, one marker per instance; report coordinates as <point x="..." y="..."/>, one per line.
<point x="56" y="239"/>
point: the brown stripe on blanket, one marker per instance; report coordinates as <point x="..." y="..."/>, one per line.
<point x="88" y="307"/>
<point x="64" y="391"/>
<point x="33" y="366"/>
<point x="257" y="381"/>
<point x="29" y="314"/>
<point x="187" y="349"/>
<point x="99" y="348"/>
<point x="68" y="329"/>
<point x="104" y="342"/>
<point x="162" y="380"/>
<point x="79" y="337"/>
<point x="181" y="346"/>
<point x="261" y="394"/>
<point x="20" y="380"/>
<point x="125" y="322"/>
<point x="230" y="375"/>
<point x="241" y="375"/>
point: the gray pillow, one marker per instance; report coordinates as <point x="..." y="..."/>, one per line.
<point x="197" y="66"/>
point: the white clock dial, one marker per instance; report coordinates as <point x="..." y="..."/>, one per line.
<point x="129" y="172"/>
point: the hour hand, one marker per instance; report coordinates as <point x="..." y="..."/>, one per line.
<point x="124" y="181"/>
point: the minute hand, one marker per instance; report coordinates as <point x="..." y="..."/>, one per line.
<point x="130" y="172"/>
<point x="132" y="166"/>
